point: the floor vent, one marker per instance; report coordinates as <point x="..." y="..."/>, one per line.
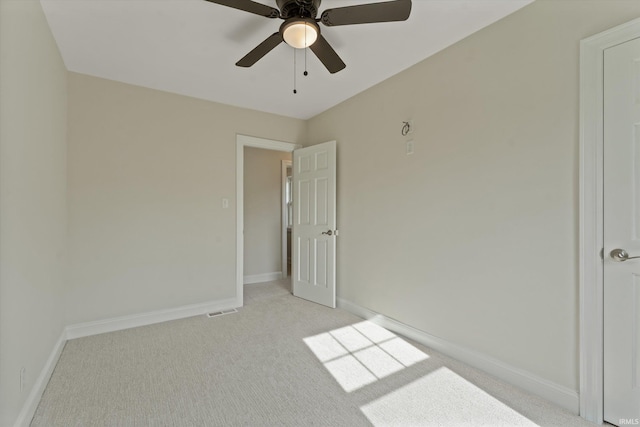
<point x="222" y="313"/>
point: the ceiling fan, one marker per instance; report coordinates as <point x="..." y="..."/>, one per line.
<point x="300" y="28"/>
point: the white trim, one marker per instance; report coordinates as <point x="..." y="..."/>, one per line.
<point x="264" y="277"/>
<point x="558" y="394"/>
<point x="591" y="215"/>
<point x="267" y="144"/>
<point x="31" y="404"/>
<point x="283" y="214"/>
<point x="133" y="321"/>
<point x="241" y="142"/>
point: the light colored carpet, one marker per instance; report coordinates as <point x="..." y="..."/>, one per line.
<point x="279" y="361"/>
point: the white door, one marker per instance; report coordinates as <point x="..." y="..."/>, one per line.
<point x="622" y="233"/>
<point x="314" y="223"/>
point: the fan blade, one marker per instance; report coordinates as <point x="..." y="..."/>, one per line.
<point x="327" y="55"/>
<point x="250" y="6"/>
<point x="261" y="50"/>
<point x="367" y="13"/>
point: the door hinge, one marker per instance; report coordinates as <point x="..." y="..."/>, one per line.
<point x="602" y="254"/>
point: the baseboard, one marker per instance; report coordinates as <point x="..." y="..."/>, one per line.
<point x="125" y="322"/>
<point x="264" y="277"/>
<point x="558" y="394"/>
<point x="108" y="325"/>
<point x="31" y="404"/>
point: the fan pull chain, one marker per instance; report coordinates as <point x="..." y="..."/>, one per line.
<point x="305" y="51"/>
<point x="294" y="71"/>
<point x="305" y="62"/>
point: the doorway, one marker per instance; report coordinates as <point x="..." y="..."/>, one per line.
<point x="243" y="141"/>
<point x="286" y="178"/>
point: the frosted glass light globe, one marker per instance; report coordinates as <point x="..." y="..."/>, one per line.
<point x="300" y="34"/>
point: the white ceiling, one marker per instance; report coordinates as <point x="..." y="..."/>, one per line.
<point x="190" y="47"/>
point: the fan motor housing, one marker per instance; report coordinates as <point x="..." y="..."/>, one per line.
<point x="293" y="8"/>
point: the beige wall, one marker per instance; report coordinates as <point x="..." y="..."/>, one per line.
<point x="474" y="237"/>
<point x="147" y="174"/>
<point x="263" y="210"/>
<point x="33" y="215"/>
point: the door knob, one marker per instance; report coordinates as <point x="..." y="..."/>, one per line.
<point x="328" y="233"/>
<point x="621" y="255"/>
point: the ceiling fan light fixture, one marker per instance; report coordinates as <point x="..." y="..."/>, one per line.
<point x="300" y="32"/>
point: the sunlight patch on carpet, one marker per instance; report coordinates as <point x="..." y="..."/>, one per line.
<point x="362" y="353"/>
<point x="442" y="398"/>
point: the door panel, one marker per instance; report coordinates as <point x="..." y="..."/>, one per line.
<point x="322" y="194"/>
<point x="304" y="207"/>
<point x="303" y="262"/>
<point x="622" y="231"/>
<point x="314" y="228"/>
<point x="322" y="263"/>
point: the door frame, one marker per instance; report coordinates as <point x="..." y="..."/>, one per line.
<point x="285" y="164"/>
<point x="241" y="142"/>
<point x="591" y="179"/>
